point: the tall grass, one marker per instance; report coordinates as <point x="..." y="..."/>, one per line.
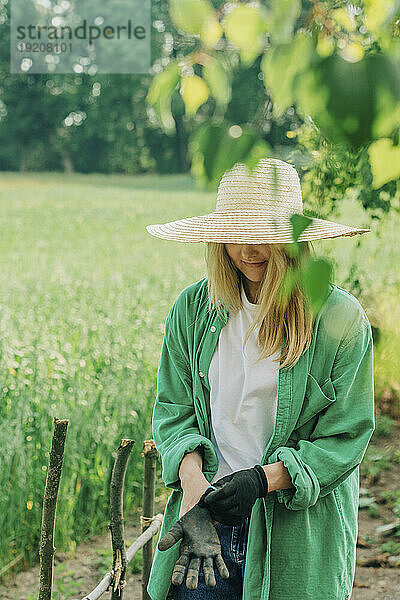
<point x="83" y="298"/>
<point x="84" y="292"/>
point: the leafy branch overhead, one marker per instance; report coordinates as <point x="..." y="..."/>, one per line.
<point x="338" y="66"/>
<point x="333" y="66"/>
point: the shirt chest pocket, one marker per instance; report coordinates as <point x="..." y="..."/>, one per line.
<point x="317" y="398"/>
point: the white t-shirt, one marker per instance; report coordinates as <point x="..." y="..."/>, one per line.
<point x="243" y="395"/>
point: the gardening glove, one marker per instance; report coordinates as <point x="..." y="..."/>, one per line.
<point x="235" y="496"/>
<point x="200" y="542"/>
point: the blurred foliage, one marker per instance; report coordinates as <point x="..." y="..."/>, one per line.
<point x="86" y="123"/>
<point x="330" y="67"/>
<point x="101" y="123"/>
<point x="335" y="63"/>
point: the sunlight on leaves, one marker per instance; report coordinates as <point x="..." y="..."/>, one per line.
<point x="280" y="65"/>
<point x="282" y="19"/>
<point x="325" y="45"/>
<point x="343" y="18"/>
<point x="385" y="161"/>
<point x="160" y="92"/>
<point x="218" y="81"/>
<point x="211" y="31"/>
<point x="245" y="26"/>
<point x="195" y="92"/>
<point x="190" y="15"/>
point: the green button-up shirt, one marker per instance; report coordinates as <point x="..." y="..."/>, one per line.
<point x="302" y="540"/>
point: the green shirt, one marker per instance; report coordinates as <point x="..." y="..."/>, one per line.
<point x="302" y="540"/>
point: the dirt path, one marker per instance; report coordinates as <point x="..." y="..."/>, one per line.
<point x="378" y="582"/>
<point x="75" y="577"/>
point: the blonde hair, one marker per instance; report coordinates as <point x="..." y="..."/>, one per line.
<point x="279" y="313"/>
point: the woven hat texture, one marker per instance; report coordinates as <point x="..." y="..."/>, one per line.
<point x="253" y="207"/>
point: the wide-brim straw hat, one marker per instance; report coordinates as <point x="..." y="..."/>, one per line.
<point x="253" y="207"/>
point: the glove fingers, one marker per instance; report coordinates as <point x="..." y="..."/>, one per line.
<point x="208" y="570"/>
<point x="221" y="566"/>
<point x="171" y="537"/>
<point x="178" y="573"/>
<point x="193" y="573"/>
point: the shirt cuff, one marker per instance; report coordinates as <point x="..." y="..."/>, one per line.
<point x="171" y="459"/>
<point x="306" y="488"/>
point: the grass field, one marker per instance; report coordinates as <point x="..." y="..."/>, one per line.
<point x="83" y="298"/>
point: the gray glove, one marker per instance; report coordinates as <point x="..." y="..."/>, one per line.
<point x="200" y="541"/>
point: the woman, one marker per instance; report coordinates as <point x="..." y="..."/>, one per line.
<point x="263" y="411"/>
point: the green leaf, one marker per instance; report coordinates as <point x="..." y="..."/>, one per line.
<point x="343" y="18"/>
<point x="164" y="114"/>
<point x="316" y="276"/>
<point x="245" y="26"/>
<point x="214" y="151"/>
<point x="160" y="93"/>
<point x="211" y="31"/>
<point x="351" y="103"/>
<point x="163" y="83"/>
<point x="280" y="65"/>
<point x="384" y="159"/>
<point x="379" y="13"/>
<point x="195" y="92"/>
<point x="284" y="14"/>
<point x="289" y="281"/>
<point x="190" y="15"/>
<point x="299" y="224"/>
<point x="387" y="101"/>
<point x="218" y="81"/>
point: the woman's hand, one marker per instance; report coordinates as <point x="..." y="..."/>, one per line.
<point x="192" y="492"/>
<point x="193" y="481"/>
<point x="200" y="544"/>
<point x="232" y="502"/>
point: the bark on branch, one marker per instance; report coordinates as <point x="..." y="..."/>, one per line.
<point x="117" y="523"/>
<point x="130" y="553"/>
<point x="47" y="548"/>
<point x="150" y="455"/>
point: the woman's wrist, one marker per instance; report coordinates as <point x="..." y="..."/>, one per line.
<point x="193" y="478"/>
<point x="190" y="470"/>
<point x="278" y="476"/>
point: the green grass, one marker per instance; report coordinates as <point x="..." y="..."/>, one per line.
<point x="84" y="293"/>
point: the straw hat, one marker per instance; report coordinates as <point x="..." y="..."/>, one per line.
<point x="253" y="208"/>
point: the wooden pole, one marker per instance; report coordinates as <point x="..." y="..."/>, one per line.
<point x="150" y="456"/>
<point x="130" y="553"/>
<point x="117" y="519"/>
<point x="53" y="476"/>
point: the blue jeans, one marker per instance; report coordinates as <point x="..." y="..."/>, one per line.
<point x="233" y="549"/>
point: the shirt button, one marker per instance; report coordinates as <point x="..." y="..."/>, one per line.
<point x="201" y="374"/>
<point x="213" y="329"/>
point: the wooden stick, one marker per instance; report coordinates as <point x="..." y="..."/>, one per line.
<point x="130" y="553"/>
<point x="47" y="548"/>
<point x="12" y="563"/>
<point x="150" y="456"/>
<point x="117" y="519"/>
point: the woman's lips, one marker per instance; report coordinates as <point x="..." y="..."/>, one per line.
<point x="258" y="264"/>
